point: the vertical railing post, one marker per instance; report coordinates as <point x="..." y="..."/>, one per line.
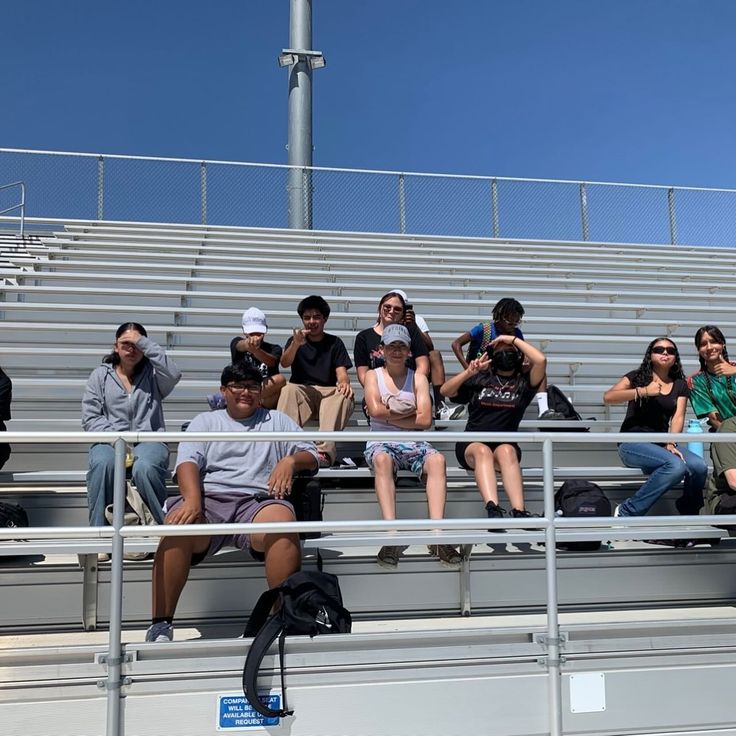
<point x="494" y="208"/>
<point x="402" y="205"/>
<point x="671" y="213"/>
<point x="307" y="195"/>
<point x="114" y="649"/>
<point x="203" y="190"/>
<point x="552" y="639"/>
<point x="100" y="188"/>
<point x="22" y="210"/>
<point x="584" y="211"/>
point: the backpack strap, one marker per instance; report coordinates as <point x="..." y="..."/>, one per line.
<point x="261" y="643"/>
<point x="261" y="612"/>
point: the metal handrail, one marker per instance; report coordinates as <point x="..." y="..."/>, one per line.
<point x="21" y="206"/>
<point x="549" y="522"/>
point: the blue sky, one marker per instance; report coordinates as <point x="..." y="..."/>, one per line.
<point x="631" y="90"/>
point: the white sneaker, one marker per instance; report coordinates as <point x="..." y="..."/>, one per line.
<point x="447" y="411"/>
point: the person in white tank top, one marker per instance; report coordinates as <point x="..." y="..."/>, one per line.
<point x="397" y="399"/>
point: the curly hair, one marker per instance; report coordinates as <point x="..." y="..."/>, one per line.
<point x="643" y="375"/>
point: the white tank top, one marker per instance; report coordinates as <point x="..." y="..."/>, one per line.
<point x="405" y="393"/>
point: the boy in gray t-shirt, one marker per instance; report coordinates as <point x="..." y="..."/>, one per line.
<point x="231" y="482"/>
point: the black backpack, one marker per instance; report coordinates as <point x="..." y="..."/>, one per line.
<point x="307" y="499"/>
<point x="12" y="515"/>
<point x="557" y="401"/>
<point x="581" y="498"/>
<point x="311" y="604"/>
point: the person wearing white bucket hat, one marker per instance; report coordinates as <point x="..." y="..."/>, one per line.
<point x="252" y="350"/>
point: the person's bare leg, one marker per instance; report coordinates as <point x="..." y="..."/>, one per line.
<point x="480" y="459"/>
<point x="171" y="569"/>
<point x="283" y="556"/>
<point x="383" y="470"/>
<point x="435" y="470"/>
<point x="507" y="463"/>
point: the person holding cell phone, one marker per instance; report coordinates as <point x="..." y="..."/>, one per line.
<point x="656" y="394"/>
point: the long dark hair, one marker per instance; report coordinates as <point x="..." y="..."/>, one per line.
<point x="643" y="376"/>
<point x="388" y="296"/>
<point x="714" y="333"/>
<point x="113" y="358"/>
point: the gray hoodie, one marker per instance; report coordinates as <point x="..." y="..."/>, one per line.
<point x="108" y="407"/>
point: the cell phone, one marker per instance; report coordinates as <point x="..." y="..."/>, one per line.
<point x="409" y="307"/>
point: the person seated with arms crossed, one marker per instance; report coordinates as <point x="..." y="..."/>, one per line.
<point x="506" y="318"/>
<point x="319" y="385"/>
<point x="498" y="392"/>
<point x="397" y="399"/>
<point x="436" y="365"/>
<point x="657" y="393"/>
<point x="232" y="482"/>
<point x="250" y="348"/>
<point x="713" y="397"/>
<point x="126" y="394"/>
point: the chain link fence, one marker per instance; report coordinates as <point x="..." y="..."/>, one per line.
<point x="110" y="187"/>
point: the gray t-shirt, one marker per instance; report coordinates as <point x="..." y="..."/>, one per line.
<point x="239" y="466"/>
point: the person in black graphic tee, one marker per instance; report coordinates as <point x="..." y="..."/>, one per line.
<point x="497" y="392"/>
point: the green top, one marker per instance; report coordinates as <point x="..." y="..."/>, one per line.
<point x="719" y="398"/>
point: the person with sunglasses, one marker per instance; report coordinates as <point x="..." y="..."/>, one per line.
<point x="126" y="394"/>
<point x="368" y="347"/>
<point x="657" y="394"/>
<point x="230" y="482"/>
<point x="713" y="397"/>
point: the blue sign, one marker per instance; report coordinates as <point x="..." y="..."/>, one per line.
<point x="235" y="712"/>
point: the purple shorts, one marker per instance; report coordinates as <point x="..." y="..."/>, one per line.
<point x="223" y="507"/>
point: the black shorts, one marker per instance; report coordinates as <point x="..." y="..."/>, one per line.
<point x="460" y="448"/>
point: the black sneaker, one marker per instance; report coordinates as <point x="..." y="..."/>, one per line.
<point x="551" y="414"/>
<point x="524" y="514"/>
<point x="494" y="511"/>
<point x="388" y="556"/>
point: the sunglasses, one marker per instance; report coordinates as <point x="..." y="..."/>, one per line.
<point x="661" y="350"/>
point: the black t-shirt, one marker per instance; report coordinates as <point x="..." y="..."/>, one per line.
<point x="495" y="403"/>
<point x="251" y="360"/>
<point x="653" y="414"/>
<point x="368" y="352"/>
<point x="315" y="363"/>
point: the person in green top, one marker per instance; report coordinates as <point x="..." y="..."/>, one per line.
<point x="713" y="396"/>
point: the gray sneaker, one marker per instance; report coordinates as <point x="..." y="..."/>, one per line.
<point x="446" y="554"/>
<point x="161" y="631"/>
<point x="388" y="557"/>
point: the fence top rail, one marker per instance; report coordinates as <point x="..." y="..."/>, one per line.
<point x="254" y="164"/>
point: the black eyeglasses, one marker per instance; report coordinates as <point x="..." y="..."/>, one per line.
<point x="662" y="350"/>
<point x="239" y="388"/>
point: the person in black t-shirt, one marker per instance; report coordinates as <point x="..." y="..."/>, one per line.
<point x="252" y="350"/>
<point x="657" y="396"/>
<point x="368" y="349"/>
<point x="497" y="391"/>
<point x="319" y="385"/>
<point x="6" y="395"/>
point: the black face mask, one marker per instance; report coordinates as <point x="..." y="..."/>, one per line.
<point x="507" y="360"/>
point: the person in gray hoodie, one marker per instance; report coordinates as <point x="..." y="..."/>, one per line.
<point x="125" y="393"/>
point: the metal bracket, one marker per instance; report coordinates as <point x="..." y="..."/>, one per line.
<point x="547" y="662"/>
<point x="124" y="659"/>
<point x="105" y="685"/>
<point x="546" y="641"/>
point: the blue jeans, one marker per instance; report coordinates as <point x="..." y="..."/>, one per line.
<point x="665" y="471"/>
<point x="149" y="471"/>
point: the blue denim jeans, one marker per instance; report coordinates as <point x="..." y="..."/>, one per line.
<point x="665" y="471"/>
<point x="149" y="471"/>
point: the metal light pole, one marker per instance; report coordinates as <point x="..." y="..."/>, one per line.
<point x="301" y="60"/>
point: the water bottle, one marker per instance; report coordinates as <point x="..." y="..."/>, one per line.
<point x="694" y="426"/>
